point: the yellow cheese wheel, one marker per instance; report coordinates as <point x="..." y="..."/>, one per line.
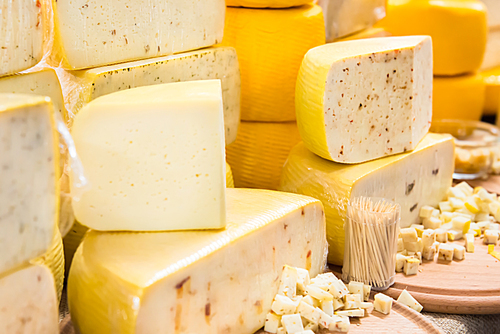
<point x="259" y="152"/>
<point x="460" y="97"/>
<point x="270" y="45"/>
<point x="267" y="3"/>
<point x="458" y="29"/>
<point x="491" y="80"/>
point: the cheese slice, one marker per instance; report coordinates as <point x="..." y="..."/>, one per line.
<point x="364" y="99"/>
<point x="491" y="79"/>
<point x="29" y="303"/>
<point x="81" y="87"/>
<point x="21" y="36"/>
<point x="197" y="282"/>
<point x="493" y="7"/>
<point x="267" y="3"/>
<point x="458" y="30"/>
<point x="28" y="186"/>
<point x="492" y="53"/>
<point x="413" y="179"/>
<point x="460" y="97"/>
<point x="40" y="80"/>
<point x="345" y="17"/>
<point x="92" y="33"/>
<point x="154" y="157"/>
<point x="270" y="46"/>
<point x="229" y="177"/>
<point x="368" y="33"/>
<point x="259" y="153"/>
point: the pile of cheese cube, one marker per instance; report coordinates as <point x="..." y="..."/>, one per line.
<point x="465" y="214"/>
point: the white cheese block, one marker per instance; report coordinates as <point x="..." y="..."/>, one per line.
<point x="364" y="99"/>
<point x="413" y="179"/>
<point x="154" y="157"/>
<point x="406" y="299"/>
<point x="29" y="159"/>
<point x="81" y="87"/>
<point x="492" y="54"/>
<point x="493" y="7"/>
<point x="29" y="303"/>
<point x="90" y="33"/>
<point x="21" y="36"/>
<point x="207" y="282"/>
<point x="345" y="17"/>
<point x="382" y="303"/>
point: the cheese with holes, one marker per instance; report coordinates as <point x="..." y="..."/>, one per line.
<point x="345" y="17"/>
<point x="492" y="54"/>
<point x="91" y="33"/>
<point x="270" y="46"/>
<point x="112" y="289"/>
<point x="267" y="3"/>
<point x="29" y="302"/>
<point x="493" y="7"/>
<point x="21" y="37"/>
<point x="365" y="99"/>
<point x="460" y="97"/>
<point x="81" y="87"/>
<point x="491" y="79"/>
<point x="458" y="30"/>
<point x="29" y="159"/>
<point x="154" y="157"/>
<point x="38" y="81"/>
<point x="259" y="152"/>
<point x="423" y="177"/>
<point x="368" y="33"/>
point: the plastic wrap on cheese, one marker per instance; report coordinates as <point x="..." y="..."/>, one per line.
<point x="492" y="53"/>
<point x="491" y="79"/>
<point x="260" y="150"/>
<point x="208" y="282"/>
<point x="413" y="179"/>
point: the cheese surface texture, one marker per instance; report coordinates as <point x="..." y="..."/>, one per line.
<point x="154" y="157"/>
<point x="491" y="79"/>
<point x="259" y="153"/>
<point x="364" y="99"/>
<point x="96" y="32"/>
<point x="345" y="17"/>
<point x="492" y="53"/>
<point x="270" y="46"/>
<point x="81" y="87"/>
<point x="267" y="3"/>
<point x="412" y="179"/>
<point x="201" y="281"/>
<point x="458" y="30"/>
<point x="28" y="186"/>
<point x="460" y="97"/>
<point x="21" y="36"/>
<point x="29" y="303"/>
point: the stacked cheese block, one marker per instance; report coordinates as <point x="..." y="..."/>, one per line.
<point x="459" y="36"/>
<point x="364" y="108"/>
<point x="271" y="37"/>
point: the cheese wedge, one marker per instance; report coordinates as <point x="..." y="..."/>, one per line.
<point x="460" y="97"/>
<point x="368" y="33"/>
<point x="21" y="37"/>
<point x="260" y="150"/>
<point x="154" y="157"/>
<point x="197" y="282"/>
<point x="267" y="3"/>
<point x="365" y="99"/>
<point x="492" y="54"/>
<point x="270" y="46"/>
<point x="458" y="30"/>
<point x="96" y="34"/>
<point x="493" y="7"/>
<point x="491" y="79"/>
<point x="29" y="303"/>
<point x="39" y="81"/>
<point x="28" y="185"/>
<point x="413" y="180"/>
<point x="81" y="87"/>
<point x="345" y="17"/>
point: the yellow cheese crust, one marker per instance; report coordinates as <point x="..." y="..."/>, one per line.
<point x="491" y="79"/>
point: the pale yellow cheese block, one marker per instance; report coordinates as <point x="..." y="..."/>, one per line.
<point x="207" y="282"/>
<point x="460" y="97"/>
<point x="491" y="79"/>
<point x="260" y="150"/>
<point x="458" y="30"/>
<point x="270" y="46"/>
<point x="493" y="7"/>
<point x="267" y="3"/>
<point x="413" y="179"/>
<point x="492" y="53"/>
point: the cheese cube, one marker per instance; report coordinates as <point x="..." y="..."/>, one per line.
<point x="382" y="303"/>
<point x="441" y="235"/>
<point x="266" y="3"/>
<point x="284" y="305"/>
<point x="461" y="224"/>
<point x="446" y="252"/>
<point x="400" y="262"/>
<point x="169" y="139"/>
<point x="469" y="243"/>
<point x="327" y="307"/>
<point x="466" y="188"/>
<point x="337" y="303"/>
<point x="81" y="87"/>
<point x="292" y="323"/>
<point x="411" y="266"/>
<point x="306" y="173"/>
<point x="456" y="203"/>
<point x="359" y="313"/>
<point x="366" y="292"/>
<point x="494" y="227"/>
<point x="454" y="235"/>
<point x="281" y="330"/>
<point x="490" y="237"/>
<point x="29" y="303"/>
<point x="273" y="99"/>
<point x="366" y="305"/>
<point x="446" y="217"/>
<point x="471" y="205"/>
<point x="459" y="252"/>
<point x="432" y="223"/>
<point x="449" y="225"/>
<point x="409" y="234"/>
<point x="428" y="238"/>
<point x="419" y="229"/>
<point x="324" y="319"/>
<point x="288" y="283"/>
<point x="339" y="324"/>
<point x="308" y="312"/>
<point x="483" y="225"/>
<point x="426" y="211"/>
<point x="273" y="322"/>
<point x="29" y="194"/>
<point x="92" y="36"/>
<point x="338" y="289"/>
<point x="429" y="252"/>
<point x="338" y="68"/>
<point x="318" y="293"/>
<point x="445" y="206"/>
<point x="307" y="331"/>
<point x="356" y="288"/>
<point x="482" y="216"/>
<point x="312" y="326"/>
<point x="302" y="280"/>
<point x="418" y="256"/>
<point x="435" y="213"/>
<point x="401" y="245"/>
<point x="436" y="245"/>
<point x="485" y="196"/>
<point x="257" y="225"/>
<point x="457" y="193"/>
<point x="352" y="301"/>
<point x="311" y="301"/>
<point x="406" y="299"/>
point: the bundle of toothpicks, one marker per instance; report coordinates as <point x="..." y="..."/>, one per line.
<point x="371" y="232"/>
